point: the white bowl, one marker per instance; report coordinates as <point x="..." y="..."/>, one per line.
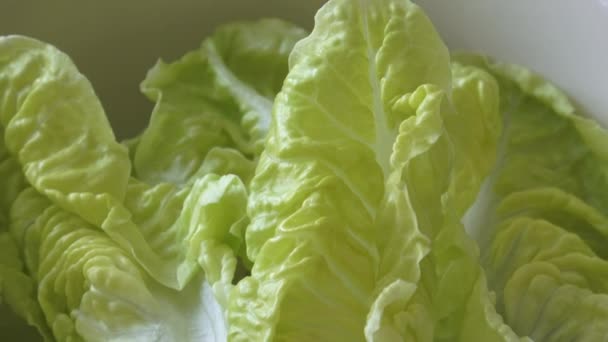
<point x="114" y="43"/>
<point x="566" y="41"/>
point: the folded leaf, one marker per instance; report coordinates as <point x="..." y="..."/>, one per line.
<point x="217" y="96"/>
<point x="18" y="290"/>
<point x="545" y="228"/>
<point x="11" y="182"/>
<point x="199" y="225"/>
<point x="55" y="127"/>
<point x="446" y="154"/>
<point x="90" y="289"/>
<point x="57" y="131"/>
<point x="333" y="235"/>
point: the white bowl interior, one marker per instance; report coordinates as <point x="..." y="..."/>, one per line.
<point x="114" y="43"/>
<point x="565" y="41"/>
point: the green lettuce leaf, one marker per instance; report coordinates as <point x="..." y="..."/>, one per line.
<point x="545" y="225"/>
<point x="112" y="283"/>
<point x="131" y="145"/>
<point x="217" y="96"/>
<point x="446" y="154"/>
<point x="17" y="289"/>
<point x="333" y="237"/>
<point x="443" y="180"/>
<point x="57" y="131"/>
<point x="12" y="182"/>
<point x="199" y="225"/>
<point x="90" y="289"/>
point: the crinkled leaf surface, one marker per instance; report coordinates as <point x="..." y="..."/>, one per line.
<point x="335" y="237"/>
<point x="544" y="228"/>
<point x="57" y="131"/>
<point x="163" y="246"/>
<point x="217" y="96"/>
<point x="90" y="289"/>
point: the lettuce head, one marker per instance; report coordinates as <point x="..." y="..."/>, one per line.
<point x="359" y="182"/>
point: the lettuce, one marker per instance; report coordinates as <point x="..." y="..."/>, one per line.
<point x="357" y="184"/>
<point x="374" y="158"/>
<point x="357" y="198"/>
<point x="219" y="96"/>
<point x="17" y="288"/>
<point x="545" y="227"/>
<point x="89" y="288"/>
<point x="148" y="246"/>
